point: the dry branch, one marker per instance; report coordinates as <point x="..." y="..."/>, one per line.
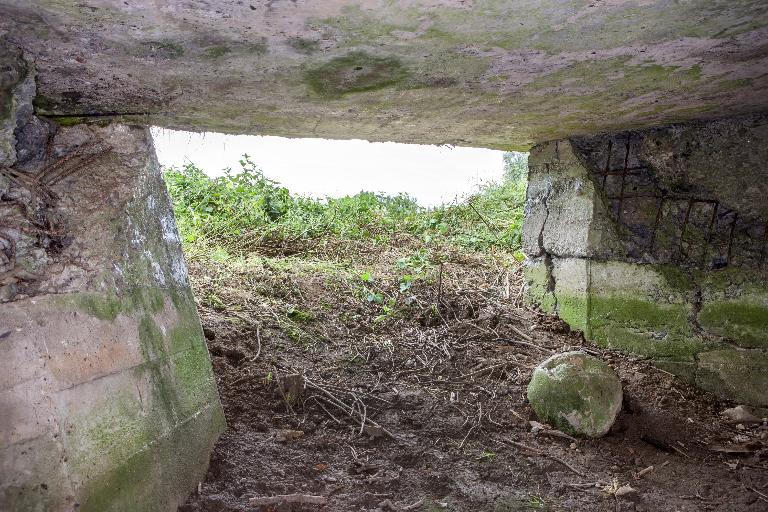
<point x="288" y="498"/>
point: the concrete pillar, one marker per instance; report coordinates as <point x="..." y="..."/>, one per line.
<point x="654" y="242"/>
<point x="107" y="397"/>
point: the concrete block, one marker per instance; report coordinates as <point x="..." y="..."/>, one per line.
<point x="27" y="412"/>
<point x="539" y="290"/>
<point x="571" y="280"/>
<point x="108" y="419"/>
<point x="193" y="381"/>
<point x="21" y="357"/>
<point x="142" y="482"/>
<point x="739" y="375"/>
<point x="543" y="153"/>
<point x="734" y="305"/>
<point x="34" y="476"/>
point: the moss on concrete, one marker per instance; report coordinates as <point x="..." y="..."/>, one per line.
<point x="107" y="306"/>
<point x="141" y="481"/>
<point x="648" y="325"/>
<point x="574" y="310"/>
<point x="103" y="307"/>
<point x="355" y="72"/>
<point x="123" y="488"/>
<point x="65" y="121"/>
<point x="113" y="430"/>
<point x="304" y="45"/>
<point x="215" y="52"/>
<point x="745" y="323"/>
<point x="166" y="49"/>
<point x="656" y="344"/>
<point x="193" y="381"/>
<point x="151" y="340"/>
<point x="537" y="280"/>
<point x="640" y="312"/>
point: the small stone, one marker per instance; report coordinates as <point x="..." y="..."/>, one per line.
<point x="625" y="490"/>
<point x="741" y="414"/>
<point x="577" y="393"/>
<point x="286" y="435"/>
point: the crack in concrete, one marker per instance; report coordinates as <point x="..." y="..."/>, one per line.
<point x="548" y="263"/>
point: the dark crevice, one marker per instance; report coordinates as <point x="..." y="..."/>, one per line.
<point x="97" y="115"/>
<point x="696" y="307"/>
<point x="548" y="263"/>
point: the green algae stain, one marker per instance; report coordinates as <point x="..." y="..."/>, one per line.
<point x="655" y="344"/>
<point x="108" y="306"/>
<point x="537" y="287"/>
<point x="187" y="334"/>
<point x="165" y="49"/>
<point x="355" y="72"/>
<point x="125" y="487"/>
<point x="639" y="313"/>
<point x="115" y="429"/>
<point x="640" y="326"/>
<point x="303" y="45"/>
<point x="194" y="381"/>
<point x="151" y="340"/>
<point x="103" y="307"/>
<point x="68" y="120"/>
<point x="215" y="52"/>
<point x="574" y="311"/>
<point x="258" y="47"/>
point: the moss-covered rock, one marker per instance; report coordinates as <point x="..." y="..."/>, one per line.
<point x="576" y="393"/>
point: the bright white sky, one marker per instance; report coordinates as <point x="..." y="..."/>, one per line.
<point x="320" y="167"/>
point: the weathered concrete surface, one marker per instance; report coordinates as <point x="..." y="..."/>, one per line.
<point x="492" y="73"/>
<point x="656" y="242"/>
<point x="107" y="394"/>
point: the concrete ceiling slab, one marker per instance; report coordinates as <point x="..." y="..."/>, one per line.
<point x="490" y="73"/>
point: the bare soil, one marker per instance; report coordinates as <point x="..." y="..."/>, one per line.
<point x="423" y="406"/>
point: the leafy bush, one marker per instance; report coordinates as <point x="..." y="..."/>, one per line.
<point x="245" y="211"/>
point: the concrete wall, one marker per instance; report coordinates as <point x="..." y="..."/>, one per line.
<point x="107" y="397"/>
<point x="654" y="242"/>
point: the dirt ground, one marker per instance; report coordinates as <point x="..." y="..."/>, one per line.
<point x="422" y="407"/>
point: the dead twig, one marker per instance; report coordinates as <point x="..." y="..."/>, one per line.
<point x="440" y="283"/>
<point x="351" y="411"/>
<point x="556" y="433"/>
<point x="520" y="333"/>
<point x="288" y="498"/>
<point x="414" y="506"/>
<point x="539" y="452"/>
<point x="524" y="344"/>
<point x="760" y="495"/>
<point x="482" y="217"/>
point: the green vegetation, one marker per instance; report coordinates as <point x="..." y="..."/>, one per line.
<point x="244" y="212"/>
<point x="254" y="247"/>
